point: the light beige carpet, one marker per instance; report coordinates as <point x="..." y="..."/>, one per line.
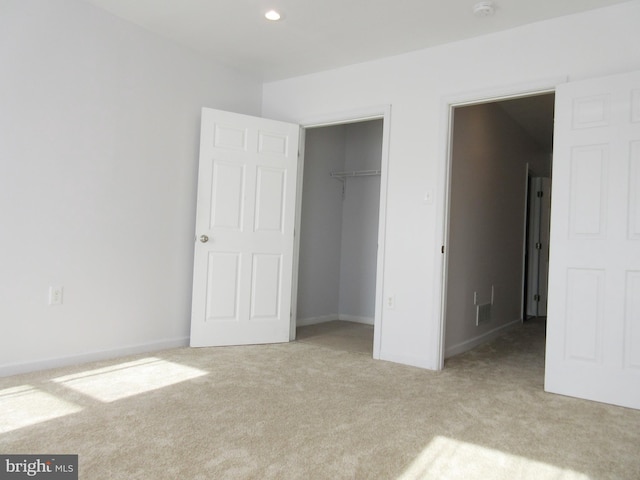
<point x="314" y="411"/>
<point x="339" y="335"/>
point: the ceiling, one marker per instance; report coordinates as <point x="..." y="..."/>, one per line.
<point x="316" y="35"/>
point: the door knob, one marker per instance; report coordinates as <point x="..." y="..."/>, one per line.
<point x="204" y="238"/>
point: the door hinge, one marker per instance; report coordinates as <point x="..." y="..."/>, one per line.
<point x="442" y="249"/>
<point x="540" y="194"/>
<point x="538" y="246"/>
<point x="536" y="298"/>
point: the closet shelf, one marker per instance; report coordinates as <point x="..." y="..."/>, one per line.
<point x="355" y="173"/>
<point x="342" y="176"/>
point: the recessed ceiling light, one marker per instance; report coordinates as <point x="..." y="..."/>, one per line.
<point x="272" y="15"/>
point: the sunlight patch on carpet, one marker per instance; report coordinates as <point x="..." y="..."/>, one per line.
<point x="26" y="405"/>
<point x="449" y="459"/>
<point x="127" y="379"/>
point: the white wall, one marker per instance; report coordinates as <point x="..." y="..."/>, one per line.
<point x="363" y="151"/>
<point x="591" y="44"/>
<point x="320" y="226"/>
<point x="490" y="153"/>
<point x="99" y="127"/>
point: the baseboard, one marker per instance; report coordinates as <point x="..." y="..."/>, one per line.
<point x="356" y="319"/>
<point x="305" y="322"/>
<point x="479" y="340"/>
<point x="17" y="368"/>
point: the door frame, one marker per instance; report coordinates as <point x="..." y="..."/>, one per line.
<point x="448" y="104"/>
<point x="382" y="112"/>
<point x="525" y="246"/>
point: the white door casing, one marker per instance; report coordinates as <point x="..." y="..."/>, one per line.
<point x="245" y="216"/>
<point x="593" y="331"/>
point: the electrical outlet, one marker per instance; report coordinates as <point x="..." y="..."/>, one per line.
<point x="55" y="295"/>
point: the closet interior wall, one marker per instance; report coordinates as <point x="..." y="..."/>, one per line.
<point x="339" y="227"/>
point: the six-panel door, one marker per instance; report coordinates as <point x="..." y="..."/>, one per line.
<point x="244" y="230"/>
<point x="593" y="334"/>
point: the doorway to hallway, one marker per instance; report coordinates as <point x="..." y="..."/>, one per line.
<point x="496" y="147"/>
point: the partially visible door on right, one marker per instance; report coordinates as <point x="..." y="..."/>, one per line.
<point x="593" y="321"/>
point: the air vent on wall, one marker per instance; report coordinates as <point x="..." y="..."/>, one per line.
<point x="483" y="313"/>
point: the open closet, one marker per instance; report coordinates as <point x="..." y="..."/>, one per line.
<point x="339" y="224"/>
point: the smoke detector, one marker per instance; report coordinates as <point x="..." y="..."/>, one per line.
<point x="484" y="9"/>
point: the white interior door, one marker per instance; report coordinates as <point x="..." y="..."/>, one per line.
<point x="244" y="230"/>
<point x="593" y="333"/>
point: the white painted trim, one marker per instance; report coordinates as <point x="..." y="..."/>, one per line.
<point x="17" y="368"/>
<point x="356" y="319"/>
<point x="305" y="322"/>
<point x="382" y="234"/>
<point x="349" y="116"/>
<point x="506" y="92"/>
<point x="296" y="240"/>
<point x="479" y="340"/>
<point x="525" y="267"/>
<point x="353" y="116"/>
<point x="448" y="103"/>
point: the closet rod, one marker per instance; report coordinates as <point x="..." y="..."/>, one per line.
<point x="342" y="176"/>
<point x="355" y="173"/>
